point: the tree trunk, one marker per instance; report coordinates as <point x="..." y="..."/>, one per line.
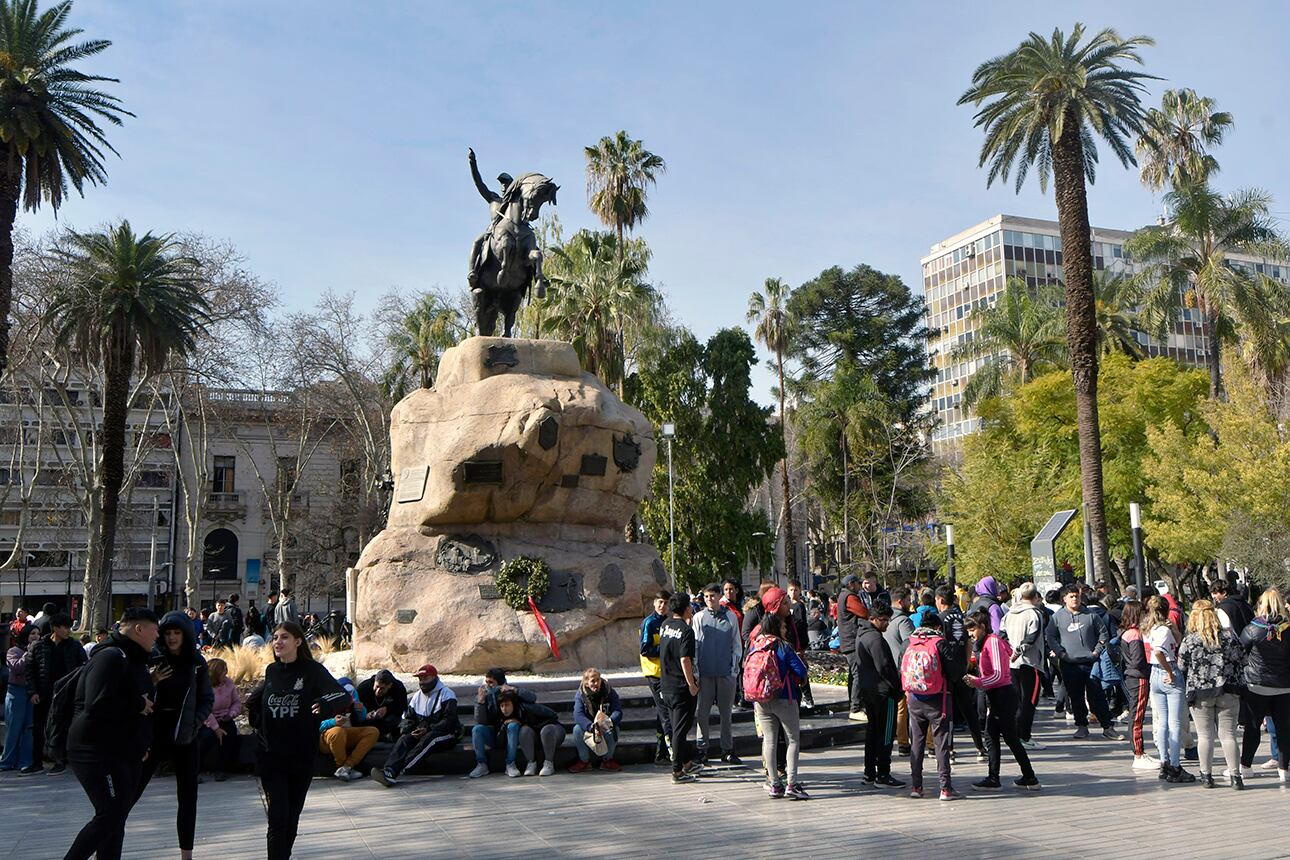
<point x="790" y="536"/>
<point x="116" y="395"/>
<point x="9" y="189"/>
<point x="1215" y="358"/>
<point x="1081" y="325"/>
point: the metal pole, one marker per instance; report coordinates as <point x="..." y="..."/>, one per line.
<point x="1088" y="547"/>
<point x="152" y="555"/>
<point x="671" y="517"/>
<point x="949" y="554"/>
<point x="846" y="493"/>
<point x="1139" y="558"/>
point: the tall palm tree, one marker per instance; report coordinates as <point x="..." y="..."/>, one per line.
<point x="1173" y="149"/>
<point x="1116" y="297"/>
<point x="769" y="312"/>
<point x="620" y="171"/>
<point x="601" y="303"/>
<point x="1185" y="262"/>
<point x="1016" y="336"/>
<point x="130" y="303"/>
<point x="1044" y="103"/>
<point x="50" y="136"/>
<point x="429" y="328"/>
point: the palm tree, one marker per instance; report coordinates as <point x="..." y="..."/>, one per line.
<point x="619" y="173"/>
<point x="602" y="303"/>
<point x="1173" y="147"/>
<point x="773" y="328"/>
<point x="430" y="327"/>
<point x="1116" y="297"/>
<point x="1185" y="262"/>
<point x="1016" y="336"/>
<point x="1044" y="103"/>
<point x="129" y="304"/>
<point x="49" y="114"/>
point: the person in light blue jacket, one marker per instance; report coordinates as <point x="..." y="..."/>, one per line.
<point x="718" y="650"/>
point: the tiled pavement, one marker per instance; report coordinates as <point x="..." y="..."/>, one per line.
<point x="1091" y="805"/>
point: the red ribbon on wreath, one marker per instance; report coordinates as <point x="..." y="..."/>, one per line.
<point x="546" y="629"/>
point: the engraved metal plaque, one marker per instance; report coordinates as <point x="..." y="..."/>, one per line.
<point x="569" y="482"/>
<point x="412" y="484"/>
<point x="593" y="465"/>
<point x="481" y="472"/>
<point x="489" y="591"/>
<point x="548" y="432"/>
<point x="405" y="616"/>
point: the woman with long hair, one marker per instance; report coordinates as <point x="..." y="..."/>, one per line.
<point x="780" y="714"/>
<point x="1168" y="690"/>
<point x="1267" y="675"/>
<point x="1213" y="664"/>
<point x="184" y="700"/>
<point x="18" y="710"/>
<point x="1137" y="680"/>
<point x="220" y="730"/>
<point x="994" y="684"/>
<point x="297" y="694"/>
<point x="597" y="713"/>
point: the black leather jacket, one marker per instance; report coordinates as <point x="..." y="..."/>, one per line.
<point x="1267" y="647"/>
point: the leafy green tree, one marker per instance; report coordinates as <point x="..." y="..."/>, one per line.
<point x="129" y="305"/>
<point x="769" y="313"/>
<point x="1041" y="106"/>
<point x="868" y="319"/>
<point x="49" y="122"/>
<point x="1115" y="301"/>
<point x="620" y="171"/>
<point x="1174" y="147"/>
<point x="1185" y="261"/>
<point x="1016" y="336"/>
<point x="429" y="328"/>
<point x="725" y="447"/>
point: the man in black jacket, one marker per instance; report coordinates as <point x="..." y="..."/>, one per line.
<point x="1238" y="613"/>
<point x="954" y="630"/>
<point x="111" y="732"/>
<point x="234" y="625"/>
<point x="386" y="699"/>
<point x="851" y="609"/>
<point x="879" y="683"/>
<point x="429" y="725"/>
<point x="54" y="657"/>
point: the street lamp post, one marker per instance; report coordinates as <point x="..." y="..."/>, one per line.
<point x="669" y="433"/>
<point x="949" y="553"/>
<point x="1139" y="558"/>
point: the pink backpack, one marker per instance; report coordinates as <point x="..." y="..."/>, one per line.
<point x="762" y="681"/>
<point x="920" y="668"/>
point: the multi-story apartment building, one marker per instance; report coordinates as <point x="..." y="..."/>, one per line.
<point x="968" y="270"/>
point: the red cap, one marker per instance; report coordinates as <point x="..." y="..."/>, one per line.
<point x="426" y="671"/>
<point x="773" y="597"/>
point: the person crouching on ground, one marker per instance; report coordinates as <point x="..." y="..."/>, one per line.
<point x="597" y="713"/>
<point x="489" y="728"/>
<point x="386" y="699"/>
<point x="430" y="725"/>
<point x="346" y="738"/>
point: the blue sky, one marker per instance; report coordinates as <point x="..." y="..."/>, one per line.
<point x="327" y="140"/>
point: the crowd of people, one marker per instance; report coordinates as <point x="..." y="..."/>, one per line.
<point x="116" y="708"/>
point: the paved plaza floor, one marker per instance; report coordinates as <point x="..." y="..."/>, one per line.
<point x="1092" y="805"/>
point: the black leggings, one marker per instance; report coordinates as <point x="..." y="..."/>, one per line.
<point x="285" y="780"/>
<point x="185" y="761"/>
<point x="112" y="787"/>
<point x="226" y="752"/>
<point x="1001" y="720"/>
<point x="1277" y="707"/>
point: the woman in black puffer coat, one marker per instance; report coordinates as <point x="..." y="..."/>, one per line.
<point x="184" y="701"/>
<point x="1267" y="676"/>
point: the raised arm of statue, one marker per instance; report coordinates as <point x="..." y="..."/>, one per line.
<point x="484" y="191"/>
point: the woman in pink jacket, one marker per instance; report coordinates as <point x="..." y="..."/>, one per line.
<point x="220" y="730"/>
<point x="994" y="679"/>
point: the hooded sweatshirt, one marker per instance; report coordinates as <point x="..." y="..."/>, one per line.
<point x="876" y="671"/>
<point x="994" y="664"/>
<point x="1023" y="625"/>
<point x="718" y="644"/>
<point x="987" y="595"/>
<point x="1077" y="637"/>
<point x="185" y="699"/>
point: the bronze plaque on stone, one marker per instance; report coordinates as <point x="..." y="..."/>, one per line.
<point x="481" y="472"/>
<point x="488" y="591"/>
<point x="593" y="465"/>
<point x="405" y="616"/>
<point x="412" y="484"/>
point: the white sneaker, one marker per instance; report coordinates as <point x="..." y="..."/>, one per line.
<point x="1145" y="762"/>
<point x="1032" y="744"/>
<point x="547" y="769"/>
<point x="343" y="773"/>
<point x="1270" y="764"/>
<point x="856" y="715"/>
<point x="1281" y="775"/>
<point x="354" y="774"/>
<point x="512" y="770"/>
<point x="481" y="769"/>
<point x="531" y="770"/>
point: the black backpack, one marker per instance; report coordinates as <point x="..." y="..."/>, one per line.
<point x="62" y="707"/>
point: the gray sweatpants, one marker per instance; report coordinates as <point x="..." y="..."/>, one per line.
<point x="1217" y="714"/>
<point x="552" y="737"/>
<point x="933" y="715"/>
<point x="722" y="692"/>
<point x="773" y="716"/>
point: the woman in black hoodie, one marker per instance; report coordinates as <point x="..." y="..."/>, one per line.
<point x="297" y="694"/>
<point x="184" y="701"/>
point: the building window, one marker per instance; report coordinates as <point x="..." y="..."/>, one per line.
<point x="219" y="556"/>
<point x="153" y="479"/>
<point x="222" y="474"/>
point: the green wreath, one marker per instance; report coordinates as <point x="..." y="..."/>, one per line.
<point x="521" y="578"/>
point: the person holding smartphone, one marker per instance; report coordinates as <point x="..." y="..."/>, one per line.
<point x="286" y="710"/>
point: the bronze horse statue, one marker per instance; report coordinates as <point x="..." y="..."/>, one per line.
<point x="505" y="260"/>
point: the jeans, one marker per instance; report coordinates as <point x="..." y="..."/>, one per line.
<point x="775" y="716"/>
<point x="1001" y="721"/>
<point x="584" y="752"/>
<point x="1085" y="694"/>
<point x="1025" y="679"/>
<point x="17" y="719"/>
<point x="1168" y="706"/>
<point x="1217" y="716"/>
<point x="932" y="715"/>
<point x="484" y="738"/>
<point x="722" y="692"/>
<point x="1137" y="691"/>
<point x="1272" y="736"/>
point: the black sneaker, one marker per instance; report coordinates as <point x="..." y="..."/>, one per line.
<point x="1029" y="783"/>
<point x="384" y="777"/>
<point x="692" y="767"/>
<point x="868" y="779"/>
<point x="889" y="781"/>
<point x="1165" y="771"/>
<point x="31" y="770"/>
<point x="681" y="776"/>
<point x="731" y="758"/>
<point x="58" y="769"/>
<point x="1191" y="754"/>
<point x="990" y="783"/>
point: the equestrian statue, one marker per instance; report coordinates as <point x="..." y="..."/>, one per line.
<point x="505" y="261"/>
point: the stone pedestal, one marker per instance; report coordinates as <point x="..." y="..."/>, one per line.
<point x="515" y="451"/>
